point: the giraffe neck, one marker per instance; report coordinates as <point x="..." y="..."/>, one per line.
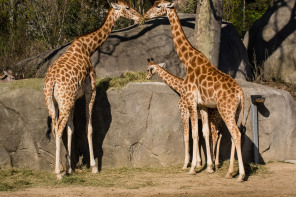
<point x="183" y="47"/>
<point x="171" y="80"/>
<point x="96" y="38"/>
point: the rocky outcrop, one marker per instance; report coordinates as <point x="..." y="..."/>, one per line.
<point x="128" y="49"/>
<point x="138" y="125"/>
<point x="271" y="42"/>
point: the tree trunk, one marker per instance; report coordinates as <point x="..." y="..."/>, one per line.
<point x="208" y="28"/>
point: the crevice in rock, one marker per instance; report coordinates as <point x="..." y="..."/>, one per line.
<point x="267" y="149"/>
<point x="131" y="152"/>
<point x="14" y="110"/>
<point x="148" y="114"/>
<point x="45" y="152"/>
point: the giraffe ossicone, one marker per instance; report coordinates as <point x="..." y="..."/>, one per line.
<point x="73" y="75"/>
<point x="205" y="87"/>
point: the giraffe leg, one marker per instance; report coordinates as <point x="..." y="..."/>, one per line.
<point x="228" y="116"/>
<point x="213" y="137"/>
<point x="196" y="154"/>
<point x="231" y="162"/>
<point x="70" y="130"/>
<point x="58" y="156"/>
<point x="185" y="121"/>
<point x="206" y="134"/>
<point x="62" y="121"/>
<point x="90" y="99"/>
<point x="218" y="151"/>
<point x="236" y="143"/>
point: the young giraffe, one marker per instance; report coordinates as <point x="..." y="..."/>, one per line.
<point x="206" y="87"/>
<point x="214" y="117"/>
<point x="71" y="76"/>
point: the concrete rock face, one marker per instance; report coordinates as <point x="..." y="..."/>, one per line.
<point x="271" y="42"/>
<point x="145" y="129"/>
<point x="276" y="121"/>
<point x="23" y="116"/>
<point x="128" y="49"/>
<point x="136" y="126"/>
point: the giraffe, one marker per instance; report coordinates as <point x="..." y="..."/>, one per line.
<point x="206" y="87"/>
<point x="71" y="76"/>
<point x="214" y="117"/>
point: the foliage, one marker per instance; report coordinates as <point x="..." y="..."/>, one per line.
<point x="29" y="27"/>
<point x="234" y="11"/>
<point x="189" y="6"/>
<point x="243" y="16"/>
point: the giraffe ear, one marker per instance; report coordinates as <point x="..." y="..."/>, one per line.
<point x="162" y="65"/>
<point x="5" y="73"/>
<point x="115" y="6"/>
<point x="156" y="3"/>
<point x="170" y="5"/>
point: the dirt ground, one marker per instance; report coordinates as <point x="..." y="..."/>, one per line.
<point x="279" y="179"/>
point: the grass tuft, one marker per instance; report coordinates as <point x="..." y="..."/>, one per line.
<point x="34" y="83"/>
<point x="250" y="168"/>
<point x="102" y="84"/>
<point x="118" y="82"/>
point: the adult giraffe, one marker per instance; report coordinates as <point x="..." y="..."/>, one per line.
<point x="71" y="76"/>
<point x="215" y="120"/>
<point x="206" y="87"/>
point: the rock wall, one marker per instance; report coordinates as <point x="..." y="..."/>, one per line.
<point x="271" y="42"/>
<point x="136" y="126"/>
<point x="127" y="50"/>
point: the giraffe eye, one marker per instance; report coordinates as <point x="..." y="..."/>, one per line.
<point x="158" y="6"/>
<point x="127" y="8"/>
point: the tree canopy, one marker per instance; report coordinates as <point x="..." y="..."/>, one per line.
<point x="29" y="27"/>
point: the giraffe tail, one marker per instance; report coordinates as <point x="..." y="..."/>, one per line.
<point x="243" y="110"/>
<point x="52" y="117"/>
<point x="49" y="128"/>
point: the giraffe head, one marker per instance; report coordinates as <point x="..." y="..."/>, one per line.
<point x="123" y="9"/>
<point x="158" y="9"/>
<point x="152" y="66"/>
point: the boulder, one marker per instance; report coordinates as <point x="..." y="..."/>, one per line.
<point x="135" y="126"/>
<point x="271" y="42"/>
<point x="127" y="50"/>
<point x="276" y="122"/>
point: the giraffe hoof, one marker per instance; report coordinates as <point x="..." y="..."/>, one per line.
<point x="184" y="167"/>
<point x="210" y="169"/>
<point x="94" y="170"/>
<point x="217" y="166"/>
<point x="228" y="175"/>
<point x="69" y="171"/>
<point x="192" y="171"/>
<point x="59" y="177"/>
<point x="241" y="178"/>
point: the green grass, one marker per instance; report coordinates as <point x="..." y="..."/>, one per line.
<point x="118" y="82"/>
<point x="34" y="83"/>
<point x="18" y="179"/>
<point x="250" y="168"/>
<point x="128" y="178"/>
<point x="102" y="84"/>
